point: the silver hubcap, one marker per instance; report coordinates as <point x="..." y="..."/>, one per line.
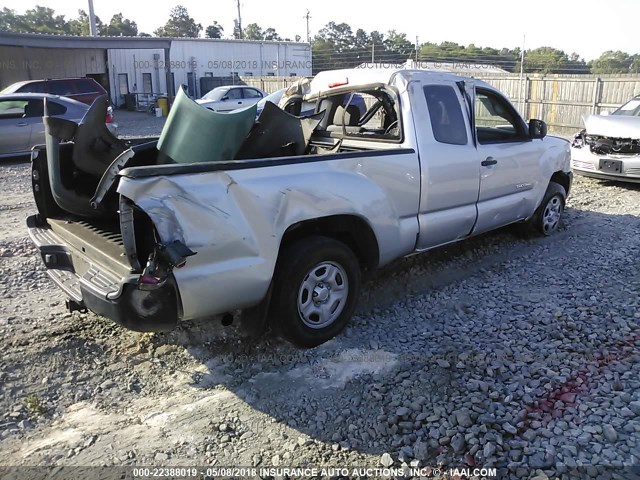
<point x="551" y="216"/>
<point x="323" y="295"/>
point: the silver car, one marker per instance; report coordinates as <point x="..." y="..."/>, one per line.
<point x="21" y="125"/>
<point x="609" y="146"/>
<point x="225" y="99"/>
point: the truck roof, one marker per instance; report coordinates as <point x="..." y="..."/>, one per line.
<point x="329" y="79"/>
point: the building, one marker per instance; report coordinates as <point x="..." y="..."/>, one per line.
<point x="147" y="65"/>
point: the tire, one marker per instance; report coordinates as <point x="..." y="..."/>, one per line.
<point x="548" y="216"/>
<point x="315" y="290"/>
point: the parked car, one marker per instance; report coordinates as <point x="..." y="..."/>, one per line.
<point x="283" y="224"/>
<point x="226" y="99"/>
<point x="84" y="90"/>
<point x="21" y="125"/>
<point x="609" y="145"/>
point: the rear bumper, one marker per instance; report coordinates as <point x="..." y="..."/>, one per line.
<point x="101" y="291"/>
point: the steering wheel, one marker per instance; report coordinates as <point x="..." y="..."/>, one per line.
<point x="393" y="125"/>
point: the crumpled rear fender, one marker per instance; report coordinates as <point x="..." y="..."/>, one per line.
<point x="235" y="221"/>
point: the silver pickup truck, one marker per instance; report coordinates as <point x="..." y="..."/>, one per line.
<point x="283" y="229"/>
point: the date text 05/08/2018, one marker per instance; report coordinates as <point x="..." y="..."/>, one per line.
<point x="223" y="64"/>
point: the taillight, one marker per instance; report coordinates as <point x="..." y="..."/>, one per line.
<point x="109" y="117"/>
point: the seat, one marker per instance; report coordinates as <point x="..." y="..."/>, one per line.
<point x="34" y="108"/>
<point x="349" y="117"/>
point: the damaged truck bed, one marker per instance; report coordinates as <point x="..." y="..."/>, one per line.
<point x="280" y="216"/>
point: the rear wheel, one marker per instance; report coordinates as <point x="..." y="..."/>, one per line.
<point x="315" y="291"/>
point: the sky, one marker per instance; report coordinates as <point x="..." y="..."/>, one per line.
<point x="582" y="26"/>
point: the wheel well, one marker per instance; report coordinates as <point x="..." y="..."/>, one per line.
<point x="563" y="179"/>
<point x="351" y="230"/>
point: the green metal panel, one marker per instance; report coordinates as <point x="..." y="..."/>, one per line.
<point x="194" y="134"/>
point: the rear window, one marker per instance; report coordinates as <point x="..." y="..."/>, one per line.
<point x="61" y="87"/>
<point x="87" y="86"/>
<point x="446" y="116"/>
<point x="55" y="108"/>
<point x="33" y="87"/>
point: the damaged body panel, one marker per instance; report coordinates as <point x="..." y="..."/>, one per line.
<point x="236" y="220"/>
<point x="609" y="146"/>
<point x="280" y="216"/>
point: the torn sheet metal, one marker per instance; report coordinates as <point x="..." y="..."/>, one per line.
<point x="95" y="147"/>
<point x="278" y="134"/>
<point x="195" y="134"/>
<point x="614" y="126"/>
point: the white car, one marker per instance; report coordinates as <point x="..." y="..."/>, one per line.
<point x="226" y="99"/>
<point x="609" y="146"/>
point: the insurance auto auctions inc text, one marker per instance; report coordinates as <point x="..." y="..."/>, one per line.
<point x="426" y="472"/>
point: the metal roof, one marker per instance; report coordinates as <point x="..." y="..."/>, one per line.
<point x="43" y="40"/>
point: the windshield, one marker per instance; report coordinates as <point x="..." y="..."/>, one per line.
<point x="629" y="109"/>
<point x="216" y="94"/>
<point x="274" y="97"/>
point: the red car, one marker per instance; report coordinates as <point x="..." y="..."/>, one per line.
<point x="84" y="90"/>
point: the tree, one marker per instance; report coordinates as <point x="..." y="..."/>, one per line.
<point x="332" y="47"/>
<point x="271" y="35"/>
<point x="253" y="32"/>
<point x="119" y="26"/>
<point x="37" y="20"/>
<point x="180" y="25"/>
<point x="399" y="48"/>
<point x="552" y="60"/>
<point x="613" y="62"/>
<point x="10" y="21"/>
<point x="214" y="30"/>
<point x="80" y="25"/>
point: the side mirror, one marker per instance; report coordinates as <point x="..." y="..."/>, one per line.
<point x="537" y="129"/>
<point x="225" y="98"/>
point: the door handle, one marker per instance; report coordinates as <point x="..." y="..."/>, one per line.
<point x="489" y="161"/>
<point x="240" y="103"/>
<point x="23" y="124"/>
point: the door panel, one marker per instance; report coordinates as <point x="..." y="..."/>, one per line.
<point x="509" y="163"/>
<point x="449" y="163"/>
<point x="15" y="130"/>
<point x="234" y="100"/>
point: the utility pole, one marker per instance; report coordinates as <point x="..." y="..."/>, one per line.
<point x="308" y="16"/>
<point x="522" y="92"/>
<point x="239" y="20"/>
<point x="373" y="52"/>
<point x="417" y="47"/>
<point x="93" y="31"/>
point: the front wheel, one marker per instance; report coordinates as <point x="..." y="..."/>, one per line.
<point x="548" y="216"/>
<point x="315" y="291"/>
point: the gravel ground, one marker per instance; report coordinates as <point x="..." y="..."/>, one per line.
<point x="496" y="352"/>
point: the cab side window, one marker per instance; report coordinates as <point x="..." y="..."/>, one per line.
<point x="496" y="119"/>
<point x="445" y="111"/>
<point x="251" y="93"/>
<point x="234" y="94"/>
